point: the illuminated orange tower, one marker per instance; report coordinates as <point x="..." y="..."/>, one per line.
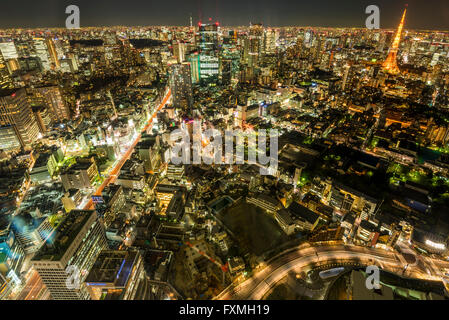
<point x="390" y="65"/>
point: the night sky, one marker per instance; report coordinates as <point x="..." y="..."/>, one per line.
<point x="422" y="14"/>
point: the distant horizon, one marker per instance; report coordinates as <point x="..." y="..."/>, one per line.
<point x="223" y="26"/>
<point x="431" y="15"/>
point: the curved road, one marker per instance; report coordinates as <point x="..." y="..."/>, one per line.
<point x="256" y="287"/>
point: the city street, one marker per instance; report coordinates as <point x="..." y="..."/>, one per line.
<point x="113" y="173"/>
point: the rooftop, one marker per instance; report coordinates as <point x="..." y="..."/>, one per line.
<point x="61" y="238"/>
<point x="112" y="267"/>
<point x="302" y="212"/>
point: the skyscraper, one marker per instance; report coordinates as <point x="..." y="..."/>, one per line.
<point x="270" y="38"/>
<point x="179" y="51"/>
<point x="390" y="65"/>
<point x="194" y="60"/>
<point x="255" y="43"/>
<point x="180" y="82"/>
<point x="5" y="79"/>
<point x="41" y="51"/>
<point x="76" y="242"/>
<point x="16" y="113"/>
<point x="8" y="50"/>
<point x="52" y="97"/>
<point x="225" y="71"/>
<point x="207" y="41"/>
<point x="12" y="254"/>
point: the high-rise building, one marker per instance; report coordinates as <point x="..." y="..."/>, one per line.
<point x="13" y="65"/>
<point x="270" y="38"/>
<point x="16" y="113"/>
<point x="207" y="38"/>
<point x="43" y="118"/>
<point x="30" y="64"/>
<point x="5" y="79"/>
<point x="390" y="65"/>
<point x="41" y="51"/>
<point x="8" y="138"/>
<point x="52" y="97"/>
<point x="225" y="71"/>
<point x="209" y="67"/>
<point x="75" y="243"/>
<point x="207" y="41"/>
<point x="255" y="43"/>
<point x="308" y="38"/>
<point x="318" y="49"/>
<point x="8" y="50"/>
<point x="24" y="48"/>
<point x="179" y="50"/>
<point x="12" y="255"/>
<point x="82" y="175"/>
<point x="180" y="82"/>
<point x="194" y="60"/>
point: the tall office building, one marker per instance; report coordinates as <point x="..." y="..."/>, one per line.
<point x="225" y="71"/>
<point x="8" y="50"/>
<point x="194" y="60"/>
<point x="207" y="38"/>
<point x="180" y="82"/>
<point x="270" y="38"/>
<point x="52" y="97"/>
<point x="5" y="79"/>
<point x="179" y="50"/>
<point x="13" y="65"/>
<point x="76" y="242"/>
<point x="30" y="64"/>
<point x="207" y="41"/>
<point x="308" y="38"/>
<point x="255" y="43"/>
<point x="41" y="51"/>
<point x="24" y="48"/>
<point x="42" y="117"/>
<point x="318" y="49"/>
<point x="12" y="256"/>
<point x="16" y="114"/>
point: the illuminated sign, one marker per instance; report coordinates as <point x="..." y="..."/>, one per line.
<point x="97" y="199"/>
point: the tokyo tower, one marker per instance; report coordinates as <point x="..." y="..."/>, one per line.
<point x="390" y="65"/>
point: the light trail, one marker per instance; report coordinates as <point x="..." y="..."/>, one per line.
<point x="113" y="174"/>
